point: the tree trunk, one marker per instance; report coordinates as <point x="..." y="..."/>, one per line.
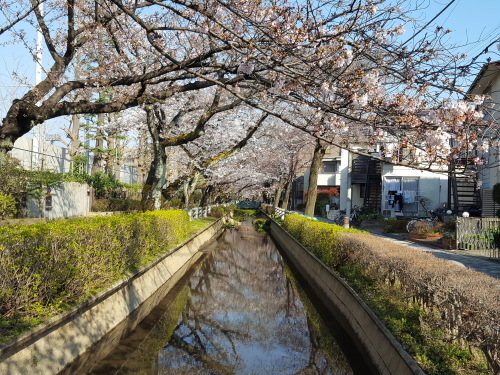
<point x="288" y="190"/>
<point x="74" y="136"/>
<point x="141" y="159"/>
<point x="277" y="195"/>
<point x="113" y="158"/>
<point x="99" y="145"/>
<point x="189" y="187"/>
<point x="319" y="152"/>
<point x="75" y="145"/>
<point x="205" y="198"/>
<point x="157" y="175"/>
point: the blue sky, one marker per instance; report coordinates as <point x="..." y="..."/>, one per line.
<point x="474" y="24"/>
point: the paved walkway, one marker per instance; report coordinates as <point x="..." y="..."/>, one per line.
<point x="486" y="265"/>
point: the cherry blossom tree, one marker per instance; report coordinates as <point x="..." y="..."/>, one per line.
<point x="187" y="124"/>
<point x="227" y="135"/>
<point x="351" y="61"/>
<point x="272" y="158"/>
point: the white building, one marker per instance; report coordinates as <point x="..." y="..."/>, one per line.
<point x="487" y="83"/>
<point x="385" y="188"/>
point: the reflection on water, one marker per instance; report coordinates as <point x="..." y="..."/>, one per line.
<point x="241" y="313"/>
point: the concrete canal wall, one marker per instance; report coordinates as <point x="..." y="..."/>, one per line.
<point x="379" y="348"/>
<point x="56" y="346"/>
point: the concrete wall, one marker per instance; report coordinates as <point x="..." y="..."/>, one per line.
<point x="72" y="199"/>
<point x="54" y="347"/>
<point x="373" y="340"/>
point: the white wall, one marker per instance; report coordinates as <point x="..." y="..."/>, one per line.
<point x="355" y="198"/>
<point x="432" y="185"/>
<point x="329" y="179"/>
<point x="324" y="179"/>
<point x="53" y="158"/>
<point x="56" y="159"/>
<point x="69" y="201"/>
<point x="493" y="173"/>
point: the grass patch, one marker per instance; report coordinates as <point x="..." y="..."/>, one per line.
<point x="435" y="354"/>
<point x="200" y="224"/>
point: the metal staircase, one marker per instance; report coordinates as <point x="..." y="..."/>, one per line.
<point x="490" y="207"/>
<point x="368" y="172"/>
<point x="464" y="192"/>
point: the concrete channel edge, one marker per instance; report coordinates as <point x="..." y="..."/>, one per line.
<point x="55" y="345"/>
<point x="378" y="346"/>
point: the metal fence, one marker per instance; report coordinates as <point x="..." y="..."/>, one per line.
<point x="478" y="234"/>
<point x="280" y="212"/>
<point x="201" y="212"/>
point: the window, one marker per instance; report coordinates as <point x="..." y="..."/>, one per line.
<point x="329" y="167"/>
<point x="401" y="194"/>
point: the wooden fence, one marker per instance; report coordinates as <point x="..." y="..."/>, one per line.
<point x="478" y="234"/>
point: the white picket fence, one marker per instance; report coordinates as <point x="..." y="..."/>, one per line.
<point x="280" y="212"/>
<point x="201" y="212"/>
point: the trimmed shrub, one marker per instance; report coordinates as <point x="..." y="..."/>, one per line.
<point x="441" y="312"/>
<point x="114" y="205"/>
<point x="395" y="226"/>
<point x="49" y="266"/>
<point x="7" y="206"/>
<point x="322" y="239"/>
<point x="429" y="227"/>
<point x="218" y="211"/>
<point x="458" y="306"/>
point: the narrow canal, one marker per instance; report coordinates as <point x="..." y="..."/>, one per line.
<point x="239" y="311"/>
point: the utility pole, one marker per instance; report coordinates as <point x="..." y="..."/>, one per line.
<point x="39" y="130"/>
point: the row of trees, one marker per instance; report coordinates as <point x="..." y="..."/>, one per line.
<point x="207" y="76"/>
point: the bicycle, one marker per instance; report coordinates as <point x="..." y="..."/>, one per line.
<point x="355" y="212"/>
<point x="338" y="219"/>
<point x="431" y="221"/>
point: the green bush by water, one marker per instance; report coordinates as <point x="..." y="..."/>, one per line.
<point x="51" y="266"/>
<point x="322" y="239"/>
<point x="383" y="277"/>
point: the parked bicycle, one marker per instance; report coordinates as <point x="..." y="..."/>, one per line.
<point x="431" y="221"/>
<point x="339" y="217"/>
<point x="355" y="212"/>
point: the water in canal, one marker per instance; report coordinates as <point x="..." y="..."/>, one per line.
<point x="240" y="312"/>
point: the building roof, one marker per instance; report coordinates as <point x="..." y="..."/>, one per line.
<point x="484" y="78"/>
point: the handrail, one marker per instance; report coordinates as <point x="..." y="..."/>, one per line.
<point x="201" y="212"/>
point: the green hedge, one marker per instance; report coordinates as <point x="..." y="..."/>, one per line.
<point x="443" y="314"/>
<point x="322" y="239"/>
<point x="113" y="205"/>
<point x="49" y="266"/>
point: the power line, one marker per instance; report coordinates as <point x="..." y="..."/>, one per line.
<point x="428" y="23"/>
